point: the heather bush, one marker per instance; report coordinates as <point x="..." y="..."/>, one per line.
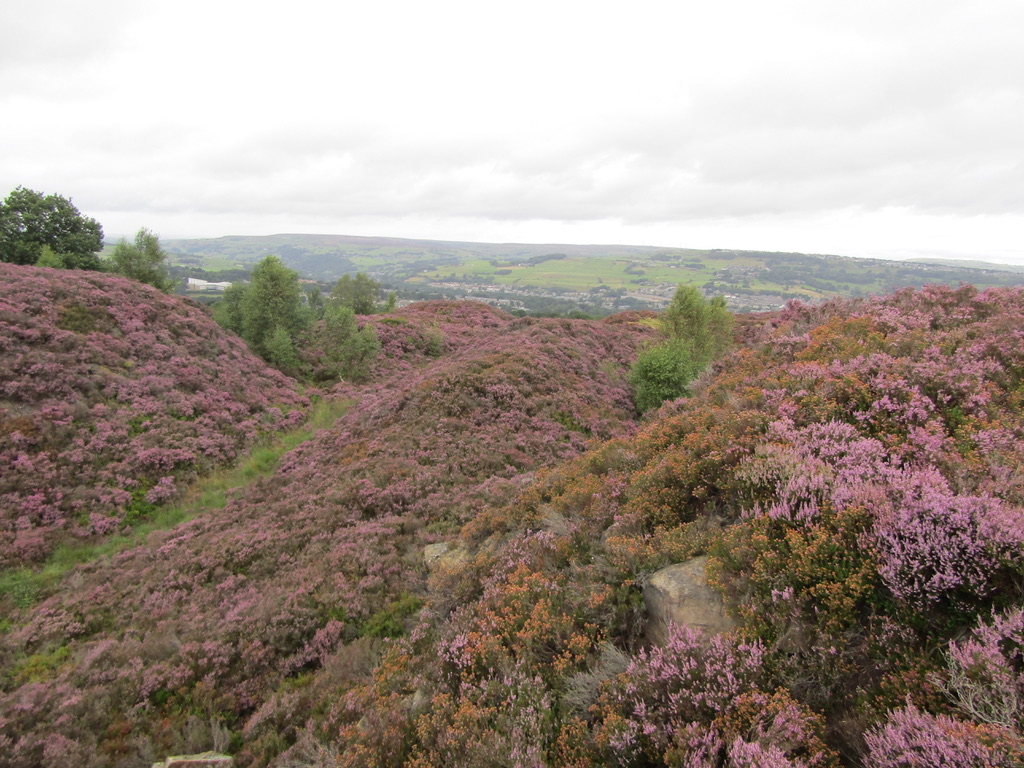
<point x="912" y="738"/>
<point x="691" y="681"/>
<point x="986" y="672"/>
<point x="698" y="701"/>
<point x="938" y="546"/>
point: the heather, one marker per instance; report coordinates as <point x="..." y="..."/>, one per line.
<point x="853" y="471"/>
<point x="229" y="629"/>
<point x="452" y="573"/>
<point x="112" y="395"/>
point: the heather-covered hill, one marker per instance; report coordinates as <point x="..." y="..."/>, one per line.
<point x="218" y="633"/>
<point x="111" y="395"/>
<point x="853" y="476"/>
<point x="452" y="574"/>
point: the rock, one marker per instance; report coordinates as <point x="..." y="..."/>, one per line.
<point x="417" y="702"/>
<point x="205" y="760"/>
<point x="680" y="594"/>
<point x="434" y="552"/>
<point x="445" y="557"/>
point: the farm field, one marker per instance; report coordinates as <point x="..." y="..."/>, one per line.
<point x="581" y="275"/>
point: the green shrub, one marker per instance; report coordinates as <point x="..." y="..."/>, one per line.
<point x="662" y="372"/>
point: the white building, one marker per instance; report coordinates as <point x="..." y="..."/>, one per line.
<point x="195" y="284"/>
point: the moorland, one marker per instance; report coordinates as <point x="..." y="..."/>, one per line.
<point x="444" y="560"/>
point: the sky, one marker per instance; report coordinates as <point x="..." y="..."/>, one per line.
<point x="875" y="128"/>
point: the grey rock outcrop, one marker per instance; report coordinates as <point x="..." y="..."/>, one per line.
<point x="204" y="760"/>
<point x="680" y="594"/>
<point x="445" y="556"/>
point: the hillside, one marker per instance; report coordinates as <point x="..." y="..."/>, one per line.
<point x="111" y="396"/>
<point x="596" y="278"/>
<point x="852" y="475"/>
<point x="194" y="636"/>
<point x="454" y="572"/>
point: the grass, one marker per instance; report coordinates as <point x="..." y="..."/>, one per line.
<point x="25" y="587"/>
<point x="578" y="273"/>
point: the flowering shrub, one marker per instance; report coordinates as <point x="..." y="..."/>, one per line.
<point x="691" y="680"/>
<point x="937" y="545"/>
<point x="986" y="672"/>
<point x="911" y="738"/>
<point x="697" y="702"/>
<point x="111" y="393"/>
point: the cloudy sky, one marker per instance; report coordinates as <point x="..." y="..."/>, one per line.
<point x="888" y="128"/>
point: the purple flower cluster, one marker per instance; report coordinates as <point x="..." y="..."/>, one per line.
<point x="110" y="394"/>
<point x="912" y="738"/>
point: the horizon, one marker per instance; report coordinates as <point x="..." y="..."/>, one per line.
<point x="112" y="239"/>
<point x="870" y="130"/>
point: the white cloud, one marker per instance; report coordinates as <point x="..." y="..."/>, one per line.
<point x="890" y="127"/>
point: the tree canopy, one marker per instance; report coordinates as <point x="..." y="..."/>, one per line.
<point x="273" y="299"/>
<point x="358" y="294"/>
<point x="30" y="221"/>
<point x="300" y="333"/>
<point x="143" y="260"/>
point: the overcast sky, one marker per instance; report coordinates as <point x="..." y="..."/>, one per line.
<point x="888" y="128"/>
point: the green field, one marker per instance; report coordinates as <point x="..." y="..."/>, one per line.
<point x="515" y="267"/>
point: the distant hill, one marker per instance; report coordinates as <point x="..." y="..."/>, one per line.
<point x="587" y="277"/>
<point x="967" y="264"/>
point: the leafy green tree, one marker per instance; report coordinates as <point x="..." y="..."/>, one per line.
<point x="228" y="311"/>
<point x="280" y="351"/>
<point x="662" y="372"/>
<point x="695" y="331"/>
<point x="29" y="220"/>
<point x="48" y="258"/>
<point x="358" y="294"/>
<point x="346" y="350"/>
<point x="273" y="299"/>
<point x="705" y="325"/>
<point x="315" y="302"/>
<point x="143" y="260"/>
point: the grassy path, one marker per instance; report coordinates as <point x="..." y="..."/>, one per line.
<point x="25" y="587"/>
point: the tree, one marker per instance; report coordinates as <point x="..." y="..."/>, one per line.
<point x="315" y="302"/>
<point x="706" y="326"/>
<point x="143" y="260"/>
<point x="280" y="351"/>
<point x="662" y="372"/>
<point x="29" y="221"/>
<point x="359" y="294"/>
<point x="272" y="299"/>
<point x="47" y="258"/>
<point x="346" y="351"/>
<point x="228" y="311"/>
<point x="694" y="331"/>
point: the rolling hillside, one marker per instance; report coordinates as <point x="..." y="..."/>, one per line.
<point x="454" y="570"/>
<point x="594" y="277"/>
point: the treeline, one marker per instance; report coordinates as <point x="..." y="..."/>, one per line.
<point x="49" y="231"/>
